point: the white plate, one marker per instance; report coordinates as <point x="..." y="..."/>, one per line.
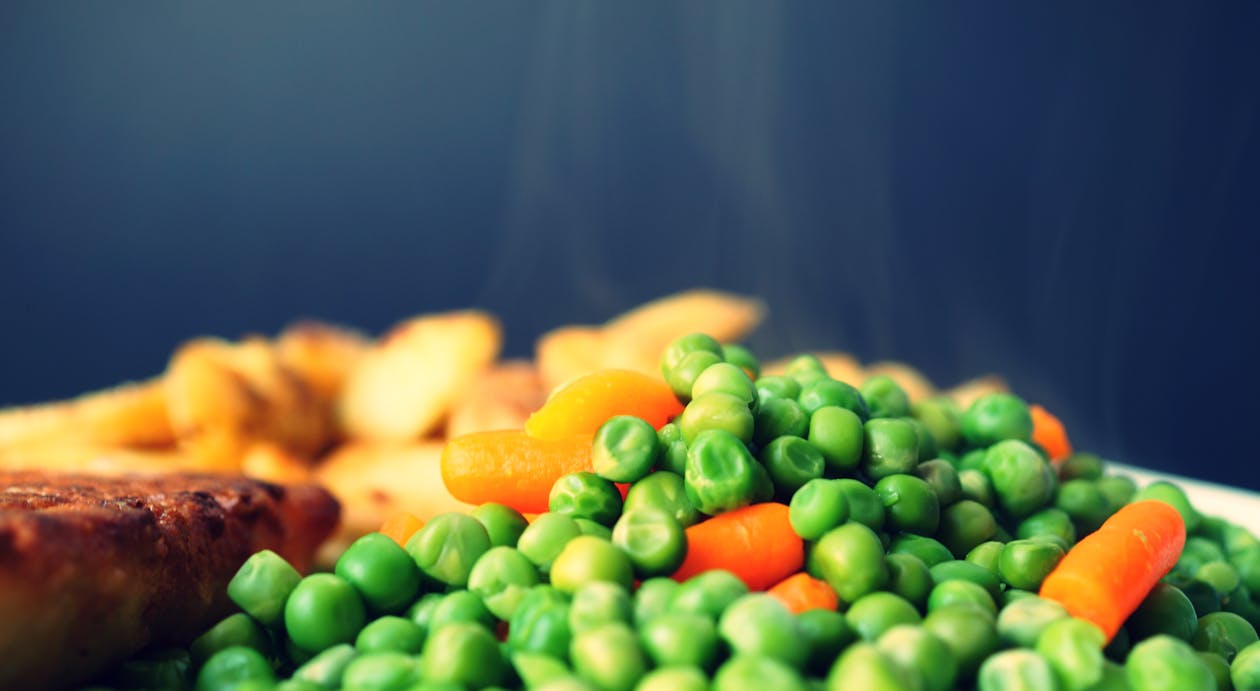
<point x="1234" y="505"/>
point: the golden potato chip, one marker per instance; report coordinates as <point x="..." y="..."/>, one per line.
<point x="128" y="415"/>
<point x="911" y="380"/>
<point x="502" y="397"/>
<point x="321" y="354"/>
<point x="402" y="389"/>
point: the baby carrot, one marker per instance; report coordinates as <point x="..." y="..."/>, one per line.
<point x="582" y="405"/>
<point x="510" y="467"/>
<point x="401" y="526"/>
<point x="802" y="592"/>
<point x="1106" y="575"/>
<point x="1049" y="433"/>
<point x="756" y="543"/>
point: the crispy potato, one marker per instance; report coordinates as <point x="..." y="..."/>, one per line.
<point x="911" y="380"/>
<point x="724" y="316"/>
<point x="967" y="392"/>
<point x="568" y="352"/>
<point x="403" y="388"/>
<point x="270" y="462"/>
<point x="321" y="354"/>
<point x="501" y="398"/>
<point x="129" y="415"/>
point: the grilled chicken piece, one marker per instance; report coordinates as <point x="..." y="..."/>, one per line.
<point x="93" y="568"/>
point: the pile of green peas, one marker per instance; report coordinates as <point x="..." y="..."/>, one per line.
<point x="934" y="525"/>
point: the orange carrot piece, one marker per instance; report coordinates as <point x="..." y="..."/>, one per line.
<point x="510" y="467"/>
<point x="756" y="543"/>
<point x="401" y="526"/>
<point x="582" y="405"/>
<point x="802" y="592"/>
<point x="1049" y="433"/>
<point x="1105" y="576"/>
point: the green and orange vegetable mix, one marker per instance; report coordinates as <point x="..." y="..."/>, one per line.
<point x="715" y="528"/>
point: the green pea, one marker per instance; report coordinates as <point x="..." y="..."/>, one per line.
<point x="777" y="386"/>
<point x="874" y="613"/>
<point x="942" y="418"/>
<point x="754" y="673"/>
<point x="291" y="685"/>
<point x="1085" y="503"/>
<point x="1052" y="521"/>
<point x="322" y="611"/>
<point x="889" y="446"/>
<point x="726" y="378"/>
<point x="387" y="670"/>
<point x="1081" y="465"/>
<point x="1118" y="649"/>
<point x="986" y="554"/>
<point x="682" y="378"/>
<point x="1026" y="563"/>
<point x="805" y="367"/>
<point x="653" y="540"/>
<point x="1022" y="480"/>
<point x="385" y="576"/>
<point x="851" y="559"/>
<point x="589" y="527"/>
<point x="1022" y="621"/>
<point x="587" y="559"/>
<point x="1245" y="670"/>
<point x="599" y="602"/>
<point x="791" y="462"/>
<point x="541" y="624"/>
<point x="779" y="417"/>
<point x="543" y="539"/>
<point x="536" y="669"/>
<point x="742" y="357"/>
<point x="1164" y="610"/>
<point x="609" y="656"/>
<point x="968" y="631"/>
<point x="708" y="593"/>
<point x="864" y="504"/>
<point x="673" y="456"/>
<point x="625" y="449"/>
<point x="232" y="666"/>
<point x="462" y="653"/>
<point x="680" y="347"/>
<point x="885" y="397"/>
<point x="943" y="478"/>
<point x="909" y="577"/>
<point x="237" y="629"/>
<point x="824" y="391"/>
<point x="390" y="633"/>
<point x="566" y="683"/>
<point x="1118" y="489"/>
<point x="159" y="668"/>
<point x="915" y="648"/>
<point x="864" y="666"/>
<point x="1174" y="496"/>
<point x="663" y="490"/>
<point x="447" y="546"/>
<point x="1223" y="633"/>
<point x="1164" y="663"/>
<point x="1073" y="647"/>
<point x="909" y="503"/>
<point x="759" y="624"/>
<point x="926" y="442"/>
<point x="976" y="486"/>
<point x="674" y="679"/>
<point x="1219" y="668"/>
<point x="653" y="597"/>
<point x="503" y="524"/>
<point x="463" y="606"/>
<point x="958" y="569"/>
<point x="964" y="525"/>
<point x="927" y="549"/>
<point x="825" y="633"/>
<point x="972" y="460"/>
<point x="261" y="586"/>
<point x="681" y="638"/>
<point x="996" y="417"/>
<point x="1016" y="670"/>
<point x="960" y="591"/>
<point x="1247" y="562"/>
<point x="327" y="668"/>
<point x="716" y="411"/>
<point x="585" y="495"/>
<point x="721" y="473"/>
<point x="501" y="578"/>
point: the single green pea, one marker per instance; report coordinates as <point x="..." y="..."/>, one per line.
<point x="968" y="631"/>
<point x="587" y="559"/>
<point x="1118" y="649"/>
<point x="232" y="666"/>
<point x="722" y="475"/>
<point x="1219" y="668"/>
<point x="760" y="624"/>
<point x="543" y="539"/>
<point x="973" y="459"/>
<point x="1022" y="480"/>
<point x="708" y="593"/>
<point x="382" y="572"/>
<point x="864" y="666"/>
<point x="261" y="586"/>
<point x="889" y="446"/>
<point x="386" y="670"/>
<point x="779" y="417"/>
<point x="942" y="418"/>
<point x="237" y="629"/>
<point x="157" y="668"/>
<point x="874" y="613"/>
<point x="791" y="462"/>
<point x="682" y="378"/>
<point x="462" y="653"/>
<point x="986" y="554"/>
<point x="1223" y="633"/>
<point x="837" y="433"/>
<point x="1245" y="670"/>
<point x="943" y="478"/>
<point x="851" y="559"/>
<point x="1026" y="563"/>
<point x="960" y="591"/>
<point x="864" y="504"/>
<point x="915" y="648"/>
<point x="501" y="578"/>
<point x="540" y="623"/>
<point x="1016" y="670"/>
<point x="716" y="411"/>
<point x="1022" y="621"/>
<point x="1073" y="647"/>
<point x="327" y="668"/>
<point x="322" y="611"/>
<point x="910" y="504"/>
<point x="653" y="540"/>
<point x="805" y="367"/>
<point x="390" y="633"/>
<point x="1247" y="562"/>
<point x="625" y="449"/>
<point x="447" y="546"/>
<point x="463" y="606"/>
<point x="571" y="682"/>
<point x="586" y="495"/>
<point x="1173" y="495"/>
<point x="1051" y="521"/>
<point x="824" y="391"/>
<point x="976" y="487"/>
<point x="652" y="598"/>
<point x="958" y="569"/>
<point x="674" y="679"/>
<point x="927" y="549"/>
<point x="996" y="417"/>
<point x="1118" y="489"/>
<point x="535" y="669"/>
<point x="885" y="397"/>
<point x="1084" y="502"/>
<point x="421" y="611"/>
<point x="589" y="527"/>
<point x="1164" y="663"/>
<point x="673" y="456"/>
<point x="503" y="524"/>
<point x="754" y="673"/>
<point x="726" y="378"/>
<point x="926" y="442"/>
<point x="742" y="358"/>
<point x="825" y="633"/>
<point x="1081" y="465"/>
<point x="964" y="525"/>
<point x="909" y="577"/>
<point x="680" y="347"/>
<point x="609" y="656"/>
<point x="662" y="490"/>
<point x="1164" y="610"/>
<point x="777" y="386"/>
<point x="599" y="602"/>
<point x="293" y="685"/>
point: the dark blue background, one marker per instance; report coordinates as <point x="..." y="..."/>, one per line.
<point x="1063" y="194"/>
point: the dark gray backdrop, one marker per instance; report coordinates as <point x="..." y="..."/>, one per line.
<point x="1063" y="193"/>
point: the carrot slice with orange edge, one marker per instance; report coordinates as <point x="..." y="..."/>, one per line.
<point x="756" y="543"/>
<point x="1049" y="433"/>
<point x="581" y="406"/>
<point x="802" y="592"/>
<point x="510" y="467"/>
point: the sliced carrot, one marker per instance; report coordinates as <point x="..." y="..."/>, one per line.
<point x="1049" y="433"/>
<point x="401" y="526"/>
<point x="510" y="467"/>
<point x="802" y="592"/>
<point x="581" y="406"/>
<point x="756" y="543"/>
<point x="1106" y="575"/>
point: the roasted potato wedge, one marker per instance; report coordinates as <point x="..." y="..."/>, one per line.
<point x="128" y="415"/>
<point x="500" y="398"/>
<point x="321" y="354"/>
<point x="967" y="392"/>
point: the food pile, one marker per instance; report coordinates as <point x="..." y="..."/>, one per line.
<point x="710" y="523"/>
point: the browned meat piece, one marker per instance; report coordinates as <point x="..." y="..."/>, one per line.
<point x="93" y="569"/>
